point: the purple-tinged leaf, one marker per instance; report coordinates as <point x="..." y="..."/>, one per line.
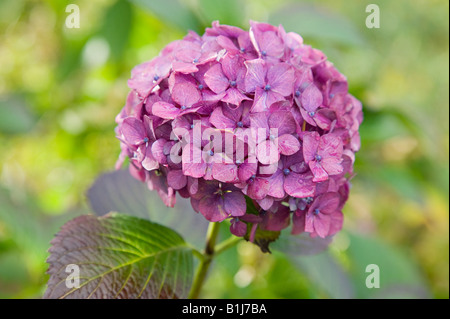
<point x="118" y="256"/>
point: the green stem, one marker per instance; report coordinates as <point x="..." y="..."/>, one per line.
<point x="227" y="243"/>
<point x="202" y="270"/>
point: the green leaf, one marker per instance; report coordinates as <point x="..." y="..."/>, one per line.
<point x="172" y="11"/>
<point x="325" y="274"/>
<point x="316" y="23"/>
<point x="117" y="26"/>
<point x="15" y="117"/>
<point x="309" y="256"/>
<point x="119" y="256"/>
<point x="399" y="275"/>
<point x="118" y="191"/>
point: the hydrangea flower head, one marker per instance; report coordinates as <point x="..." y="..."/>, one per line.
<point x="232" y="118"/>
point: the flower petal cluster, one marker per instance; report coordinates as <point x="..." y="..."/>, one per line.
<point x="234" y="114"/>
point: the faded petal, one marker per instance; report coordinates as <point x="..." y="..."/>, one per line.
<point x="212" y="207"/>
<point x="238" y="228"/>
<point x="176" y="179"/>
<point x="234" y="203"/>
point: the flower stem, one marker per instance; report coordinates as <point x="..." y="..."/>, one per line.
<point x="202" y="270"/>
<point x="227" y="243"/>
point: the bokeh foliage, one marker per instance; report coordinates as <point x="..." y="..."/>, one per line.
<point x="61" y="88"/>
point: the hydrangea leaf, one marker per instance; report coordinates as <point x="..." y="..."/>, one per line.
<point x="400" y="276"/>
<point x="118" y="256"/>
<point x="310" y="256"/>
<point x="118" y="191"/>
<point x="301" y="244"/>
<point x="325" y="274"/>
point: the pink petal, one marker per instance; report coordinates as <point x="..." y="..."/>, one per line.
<point x="260" y="103"/>
<point x="283" y="121"/>
<point x="176" y="179"/>
<point x="267" y="152"/>
<point x="330" y="146"/>
<point x="259" y="121"/>
<point x="256" y="74"/>
<point x="266" y="202"/>
<point x="184" y="67"/>
<point x="195" y="170"/>
<point x="247" y="170"/>
<point x="238" y="228"/>
<point x="272" y="97"/>
<point x="133" y="131"/>
<point x="234" y="203"/>
<point x="276" y="221"/>
<point x="323" y="118"/>
<point x="311" y="98"/>
<point x="234" y="96"/>
<point x="327" y="203"/>
<point x="288" y="144"/>
<point x="298" y="222"/>
<point x="185" y="94"/>
<point x="212" y="208"/>
<point x="276" y="182"/>
<point x="225" y="173"/>
<point x="165" y="110"/>
<point x="307" y="117"/>
<point x="158" y="151"/>
<point x="271" y="44"/>
<point x="231" y="66"/>
<point x="281" y="78"/>
<point x="319" y="173"/>
<point x="309" y="223"/>
<point x="310" y="145"/>
<point x="322" y="225"/>
<point x="227" y="44"/>
<point x="258" y="189"/>
<point x="299" y="185"/>
<point x="216" y="79"/>
<point x="332" y="165"/>
<point x="149" y="162"/>
<point x="219" y="120"/>
<point x="188" y="51"/>
<point x="337" y="220"/>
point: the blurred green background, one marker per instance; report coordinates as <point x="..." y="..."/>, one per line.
<point x="61" y="88"/>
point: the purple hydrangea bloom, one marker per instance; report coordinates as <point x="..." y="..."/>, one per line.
<point x="232" y="114"/>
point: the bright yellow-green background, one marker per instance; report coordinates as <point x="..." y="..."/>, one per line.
<point x="60" y="90"/>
